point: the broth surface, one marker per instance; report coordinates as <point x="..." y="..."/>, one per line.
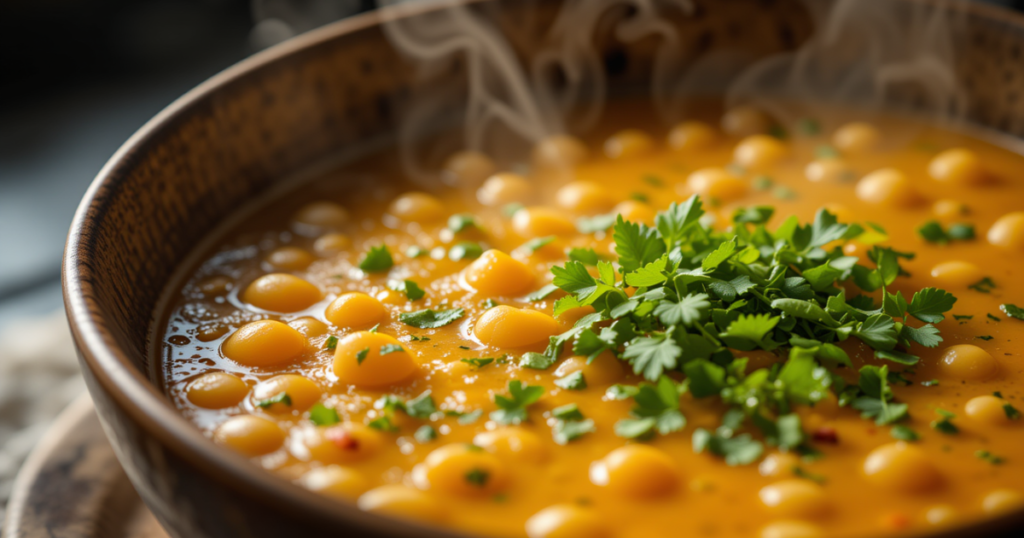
<point x="491" y="479"/>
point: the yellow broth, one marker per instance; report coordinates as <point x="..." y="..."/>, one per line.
<point x="490" y="479"/>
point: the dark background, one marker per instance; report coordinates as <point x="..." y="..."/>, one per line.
<point x="77" y="78"/>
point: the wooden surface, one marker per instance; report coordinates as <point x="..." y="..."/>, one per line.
<point x="73" y="487"/>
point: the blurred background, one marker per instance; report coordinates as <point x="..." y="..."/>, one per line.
<point x="76" y="80"/>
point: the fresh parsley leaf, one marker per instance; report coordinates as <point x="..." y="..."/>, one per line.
<point x="279" y="398"/>
<point x="573" y="381"/>
<point x="932" y="232"/>
<point x="477" y="477"/>
<point x="322" y="415"/>
<point x="903" y="433"/>
<point x="542" y="293"/>
<point x="420" y="407"/>
<point x="538" y="243"/>
<point x="1012" y="310"/>
<point x="425" y="434"/>
<point x="567" y="412"/>
<point x="944" y="423"/>
<point x="513" y="408"/>
<point x="331" y="344"/>
<point x="985" y="455"/>
<point x="597" y="223"/>
<point x="390" y="348"/>
<point x="416" y="251"/>
<point x="460" y="222"/>
<point x="687" y="311"/>
<point x="377" y="259"/>
<point x="361" y="355"/>
<point x="478" y="363"/>
<point x="536" y="361"/>
<point x="636" y="244"/>
<point x="411" y="290"/>
<point x="652" y="355"/>
<point x="930" y="304"/>
<point x="430" y="319"/>
<point x="587" y="256"/>
<point x="656" y="409"/>
<point x="675" y="223"/>
<point x="465" y="250"/>
<point x="961" y="232"/>
<point x="985" y="285"/>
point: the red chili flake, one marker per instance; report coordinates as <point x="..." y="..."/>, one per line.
<point x="826" y="435"/>
<point x="342" y="438"/>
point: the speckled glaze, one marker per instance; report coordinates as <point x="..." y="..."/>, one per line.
<point x="237" y="134"/>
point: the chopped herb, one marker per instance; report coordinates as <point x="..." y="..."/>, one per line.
<point x="510" y="209"/>
<point x="1012" y="311"/>
<point x="573" y="381"/>
<point x="639" y="197"/>
<point x="930" y="383"/>
<point x="567" y="412"/>
<point x="808" y="127"/>
<point x="536" y="361"/>
<point x="361" y="355"/>
<point x="656" y="410"/>
<point x="993" y="318"/>
<point x="653" y="181"/>
<point x="416" y="251"/>
<point x="538" y="242"/>
<point x="778" y="131"/>
<point x="985" y="285"/>
<point x="903" y="433"/>
<point x="477" y="477"/>
<point x="411" y="290"/>
<point x="586" y="256"/>
<point x="513" y="408"/>
<point x="540" y="294"/>
<point x="390" y="348"/>
<point x="800" y="472"/>
<point x="597" y="223"/>
<point x="961" y="232"/>
<point x="374" y="328"/>
<point x="430" y="319"/>
<point x="383" y="424"/>
<point x="425" y="434"/>
<point x="322" y="415"/>
<point x="962" y="317"/>
<point x="488" y="303"/>
<point x="944" y="423"/>
<point x="465" y="347"/>
<point x="826" y="151"/>
<point x="985" y="455"/>
<point x="985" y="337"/>
<point x="465" y="250"/>
<point x="279" y="398"/>
<point x="783" y="192"/>
<point x="460" y="222"/>
<point x="933" y="232"/>
<point x="376" y="260"/>
<point x="566" y="431"/>
<point x="331" y="343"/>
<point x="477" y="363"/>
<point x="414" y="338"/>
<point x="466" y="419"/>
<point x="763" y="183"/>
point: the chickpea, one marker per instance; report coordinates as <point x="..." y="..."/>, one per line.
<point x="1001" y="501"/>
<point x="957" y="273"/>
<point x="957" y="166"/>
<point x="968" y="363"/>
<point x="322" y="216"/>
<point x="417" y="207"/>
<point x="216" y="390"/>
<point x="567" y="521"/>
<point x="355" y="310"/>
<point x="497" y="273"/>
<point x="1008" y="232"/>
<point x="778" y="464"/>
<point x="264" y="343"/>
<point x="628" y="144"/>
<point x="948" y="210"/>
<point x="791" y="529"/>
<point x="635" y="211"/>
<point x="827" y="171"/>
<point x="332" y="243"/>
<point x="691" y="136"/>
<point x="941" y="514"/>
<point x="468" y="169"/>
<point x="541" y="222"/>
<point x="342" y="443"/>
<point x="302" y="393"/>
<point x="759" y="152"/>
<point x="717" y="183"/>
<point x="513" y="444"/>
<point x="250" y="435"/>
<point x="795" y="498"/>
<point x="462" y="470"/>
<point x="584" y="197"/>
<point x="745" y="120"/>
<point x="987" y="409"/>
<point x="559" y="151"/>
<point x="902" y="467"/>
<point x="311" y="327"/>
<point x="508" y="327"/>
<point x="290" y="258"/>
<point x="403" y="502"/>
<point x="279" y="292"/>
<point x="856" y="138"/>
<point x="605" y="369"/>
<point x="887" y="187"/>
<point x="637" y="471"/>
<point x="505" y="188"/>
<point x="367" y="359"/>
<point x="335" y="481"/>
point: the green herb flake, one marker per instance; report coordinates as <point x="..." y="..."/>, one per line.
<point x="985" y="285"/>
<point x="510" y="209"/>
<point x="653" y="181"/>
<point x="985" y="337"/>
<point x="566" y="431"/>
<point x="466" y="419"/>
<point x="477" y="477"/>
<point x="280" y="398"/>
<point x="542" y="293"/>
<point x="411" y="290"/>
<point x="477" y="363"/>
<point x="331" y="344"/>
<point x="376" y="260"/>
<point x="425" y="434"/>
<point x="985" y="455"/>
<point x="961" y="232"/>
<point x="465" y="250"/>
<point x="944" y="423"/>
<point x="390" y="348"/>
<point x="763" y="183"/>
<point x="461" y="222"/>
<point x="567" y="412"/>
<point x="537" y="243"/>
<point x="800" y="472"/>
<point x="903" y="433"/>
<point x="513" y="408"/>
<point x="431" y="319"/>
<point x="931" y="383"/>
<point x="586" y="256"/>
<point x="383" y="424"/>
<point x="536" y="361"/>
<point x="992" y="317"/>
<point x="416" y="251"/>
<point x="1012" y="311"/>
<point x="361" y="355"/>
<point x="639" y="197"/>
<point x="573" y="381"/>
<point x="322" y="415"/>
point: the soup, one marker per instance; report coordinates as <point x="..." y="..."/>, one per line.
<point x="812" y="326"/>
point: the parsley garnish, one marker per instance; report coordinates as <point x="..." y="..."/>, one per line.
<point x="279" y="398"/>
<point x="322" y="415"/>
<point x="573" y="381"/>
<point x="1012" y="311"/>
<point x="933" y="232"/>
<point x="425" y="434"/>
<point x="985" y="337"/>
<point x="903" y="433"/>
<point x="331" y="343"/>
<point x="985" y="455"/>
<point x="465" y="250"/>
<point x="411" y="290"/>
<point x="477" y="477"/>
<point x="416" y="251"/>
<point x="513" y="407"/>
<point x="477" y="363"/>
<point x="570" y="424"/>
<point x="985" y="285"/>
<point x="536" y="361"/>
<point x="390" y="348"/>
<point x="376" y="260"/>
<point x="460" y="222"/>
<point x="586" y="256"/>
<point x="656" y="409"/>
<point x="944" y="423"/>
<point x="540" y="294"/>
<point x="430" y="319"/>
<point x="361" y="355"/>
<point x="538" y="242"/>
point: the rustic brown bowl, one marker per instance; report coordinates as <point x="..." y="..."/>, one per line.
<point x="237" y="134"/>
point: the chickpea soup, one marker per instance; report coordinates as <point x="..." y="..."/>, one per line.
<point x="735" y="328"/>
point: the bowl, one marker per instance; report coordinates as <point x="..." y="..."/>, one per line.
<point x="241" y="132"/>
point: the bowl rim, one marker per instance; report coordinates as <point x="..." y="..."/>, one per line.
<point x="141" y="399"/>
